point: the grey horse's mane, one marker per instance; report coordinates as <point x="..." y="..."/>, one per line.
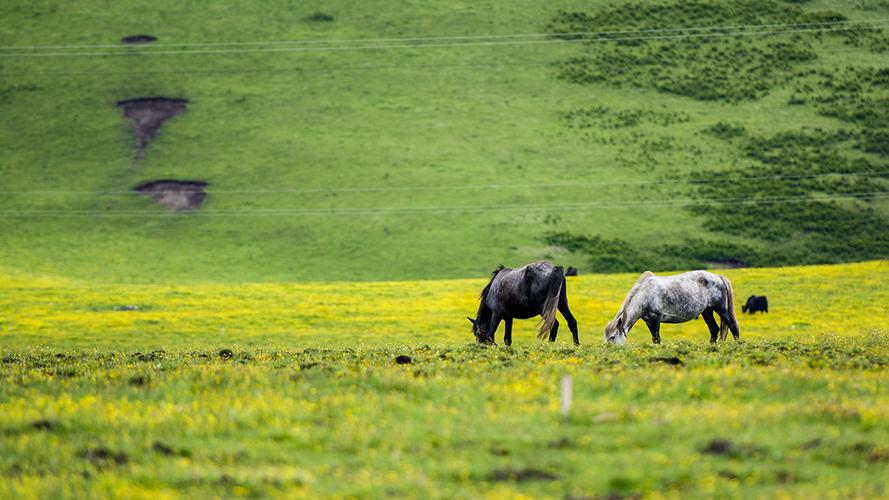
<point x="622" y="311"/>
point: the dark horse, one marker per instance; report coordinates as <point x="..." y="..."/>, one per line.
<point x="536" y="289"/>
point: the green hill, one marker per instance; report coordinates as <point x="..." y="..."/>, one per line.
<point x="368" y="147"/>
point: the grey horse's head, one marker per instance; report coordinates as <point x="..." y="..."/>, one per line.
<point x="616" y="332"/>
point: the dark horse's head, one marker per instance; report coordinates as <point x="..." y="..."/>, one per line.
<point x="483" y="317"/>
<point x="479" y="330"/>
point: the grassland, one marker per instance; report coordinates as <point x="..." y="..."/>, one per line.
<point x="293" y="390"/>
<point x="289" y="131"/>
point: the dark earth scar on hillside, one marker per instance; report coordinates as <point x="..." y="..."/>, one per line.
<point x="174" y="194"/>
<point x="137" y="39"/>
<point x="147" y="114"/>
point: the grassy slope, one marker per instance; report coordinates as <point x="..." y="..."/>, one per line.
<point x="103" y="403"/>
<point x="439" y="124"/>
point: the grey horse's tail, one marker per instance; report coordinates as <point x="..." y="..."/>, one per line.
<point x="729" y="316"/>
<point x="551" y="304"/>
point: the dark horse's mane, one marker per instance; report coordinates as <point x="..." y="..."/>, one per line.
<point x="487" y="287"/>
<point x="482" y="307"/>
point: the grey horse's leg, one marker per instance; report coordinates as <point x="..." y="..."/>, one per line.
<point x="554" y="331"/>
<point x="507" y="335"/>
<point x="654" y="326"/>
<point x="733" y="325"/>
<point x="566" y="313"/>
<point x="729" y="318"/>
<point x="711" y="324"/>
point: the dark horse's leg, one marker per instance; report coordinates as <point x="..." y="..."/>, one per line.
<point x="711" y="324"/>
<point x="654" y="326"/>
<point x="492" y="328"/>
<point x="566" y="313"/>
<point x="507" y="336"/>
<point x="554" y="331"/>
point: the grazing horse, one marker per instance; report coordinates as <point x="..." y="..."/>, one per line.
<point x="676" y="299"/>
<point x="756" y="303"/>
<point x="536" y="289"/>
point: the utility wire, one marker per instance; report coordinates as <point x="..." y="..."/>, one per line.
<point x="467" y="187"/>
<point x="328" y="69"/>
<point x="452" y="209"/>
<point x="429" y="45"/>
<point x="440" y="38"/>
<point x="471" y="187"/>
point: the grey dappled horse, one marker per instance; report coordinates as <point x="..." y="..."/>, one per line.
<point x="676" y="299"/>
<point x="536" y="289"/>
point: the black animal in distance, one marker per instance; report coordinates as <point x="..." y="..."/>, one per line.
<point x="756" y="303"/>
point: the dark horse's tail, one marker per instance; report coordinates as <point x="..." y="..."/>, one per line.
<point x="551" y="304"/>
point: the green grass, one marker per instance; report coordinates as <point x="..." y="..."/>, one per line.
<point x="286" y="389"/>
<point x="757" y="418"/>
<point x="434" y="117"/>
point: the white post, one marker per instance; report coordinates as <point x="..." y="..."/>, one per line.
<point x="566" y="394"/>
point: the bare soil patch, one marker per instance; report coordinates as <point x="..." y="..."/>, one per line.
<point x="137" y="39"/>
<point x="670" y="360"/>
<point x="147" y="114"/>
<point x="45" y="424"/>
<point x="522" y="474"/>
<point x="727" y="448"/>
<point x="103" y="457"/>
<point x="174" y="194"/>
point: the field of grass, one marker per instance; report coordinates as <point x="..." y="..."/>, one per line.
<point x="285" y="138"/>
<point x="294" y="390"/>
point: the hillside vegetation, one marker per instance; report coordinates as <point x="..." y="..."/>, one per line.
<point x="666" y="148"/>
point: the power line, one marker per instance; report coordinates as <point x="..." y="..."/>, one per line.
<point x="442" y="210"/>
<point x="471" y="187"/>
<point x="298" y="69"/>
<point x="328" y="69"/>
<point x="440" y="38"/>
<point x="425" y="45"/>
